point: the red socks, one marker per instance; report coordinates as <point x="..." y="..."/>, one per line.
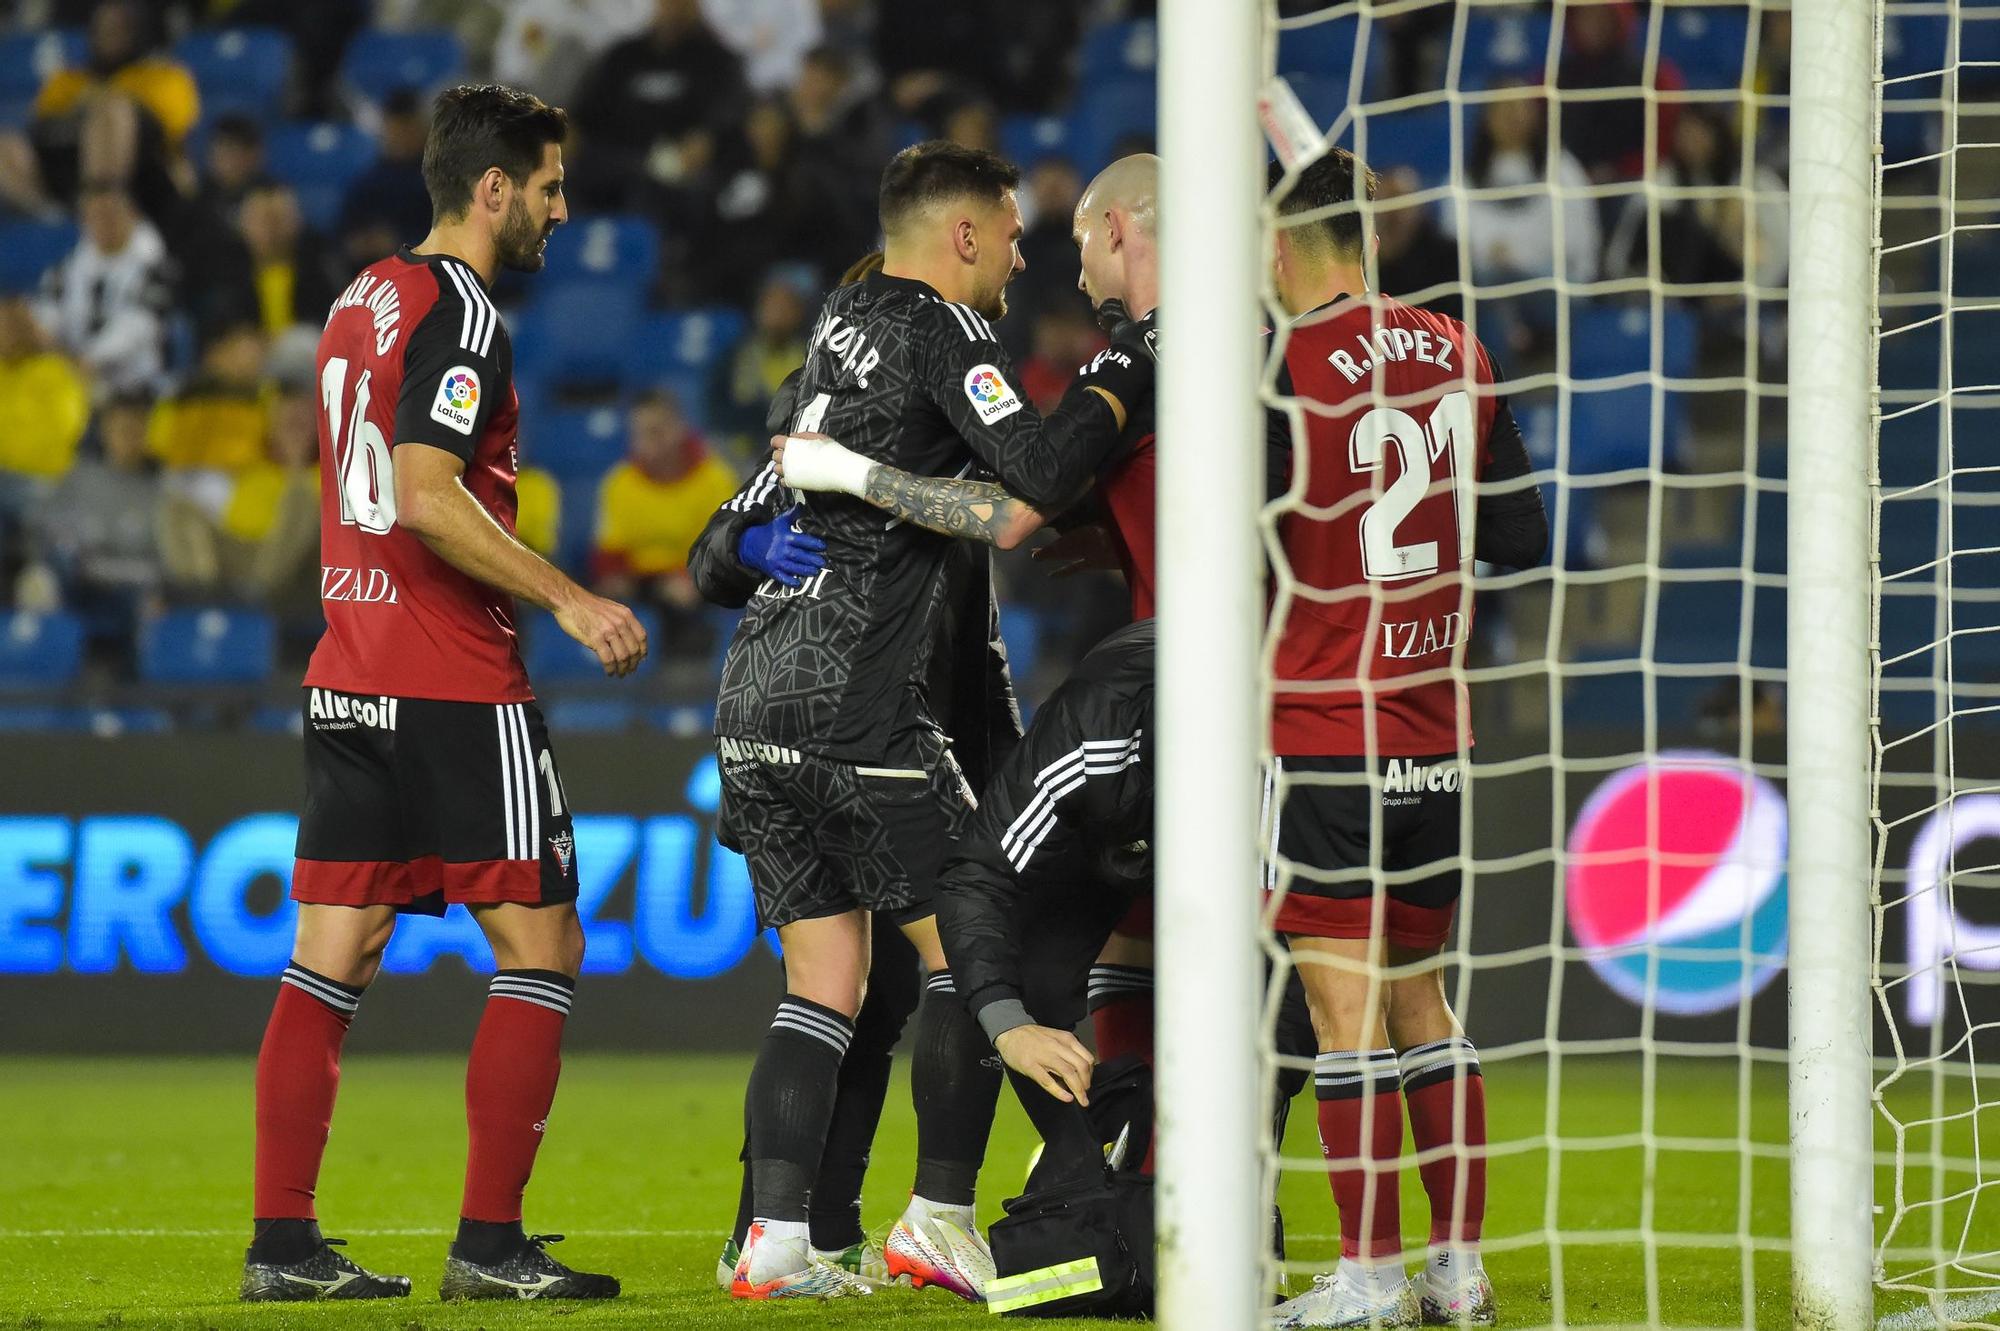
<point x="298" y="1072"/>
<point x="1435" y="1076"/>
<point x="1361" y="1134"/>
<point x="510" y="1082"/>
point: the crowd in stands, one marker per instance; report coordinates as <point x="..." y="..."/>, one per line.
<point x="217" y="170"/>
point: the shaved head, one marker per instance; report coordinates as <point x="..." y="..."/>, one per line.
<point x="1130" y="185"/>
<point x="1115" y="231"/>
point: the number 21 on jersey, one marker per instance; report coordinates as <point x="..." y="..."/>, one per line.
<point x="1452" y="429"/>
<point x="362" y="470"/>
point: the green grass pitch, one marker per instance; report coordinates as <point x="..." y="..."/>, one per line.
<point x="124" y="1184"/>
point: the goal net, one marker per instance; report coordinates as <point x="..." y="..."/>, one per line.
<point x="1937" y="660"/>
<point x="1603" y="192"/>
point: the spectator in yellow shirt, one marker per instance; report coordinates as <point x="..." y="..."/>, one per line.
<point x="122" y="115"/>
<point x="44" y="410"/>
<point x="650" y="509"/>
<point x="44" y="397"/>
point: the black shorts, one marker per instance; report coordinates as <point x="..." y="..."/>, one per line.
<point x="823" y="837"/>
<point x="1316" y="828"/>
<point x="415" y="803"/>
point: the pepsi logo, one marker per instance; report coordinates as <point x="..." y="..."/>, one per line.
<point x="1675" y="888"/>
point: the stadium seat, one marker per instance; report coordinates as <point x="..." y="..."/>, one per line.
<point x="577" y="444"/>
<point x="1913" y="44"/>
<point x="1419" y="138"/>
<point x="1709" y="44"/>
<point x="1029" y="139"/>
<point x="684" y="341"/>
<point x="578" y="339"/>
<point x="1326" y="51"/>
<point x="29" y="249"/>
<point x="553" y="657"/>
<point x="28" y="58"/>
<point x="39" y="651"/>
<point x="1106" y="117"/>
<point x="1611" y="428"/>
<point x="1117" y="52"/>
<point x="592" y="716"/>
<point x="1502" y="45"/>
<point x="320" y="160"/>
<point x="1021" y="630"/>
<point x="211" y="645"/>
<point x="238" y="69"/>
<point x="378" y="62"/>
<point x="622" y="250"/>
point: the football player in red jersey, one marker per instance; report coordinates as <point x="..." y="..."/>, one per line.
<point x="1383" y="518"/>
<point x="429" y="777"/>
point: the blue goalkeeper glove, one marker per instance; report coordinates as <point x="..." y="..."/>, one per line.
<point x="780" y="551"/>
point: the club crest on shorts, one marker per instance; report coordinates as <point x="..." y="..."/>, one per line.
<point x="457" y="399"/>
<point x="990" y="394"/>
<point x="564" y="846"/>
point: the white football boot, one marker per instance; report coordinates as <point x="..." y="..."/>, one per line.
<point x="942" y="1246"/>
<point x="1340" y="1299"/>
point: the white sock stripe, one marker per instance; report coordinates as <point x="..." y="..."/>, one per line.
<point x="834" y="1027"/>
<point x="536" y="999"/>
<point x="812" y="1032"/>
<point x="550" y="987"/>
<point x="506" y="781"/>
<point x="317" y="988"/>
<point x="1369" y="1061"/>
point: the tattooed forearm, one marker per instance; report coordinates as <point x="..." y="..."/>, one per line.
<point x="976" y="510"/>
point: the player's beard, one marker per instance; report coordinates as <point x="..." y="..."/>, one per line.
<point x="994" y="307"/>
<point x="519" y="241"/>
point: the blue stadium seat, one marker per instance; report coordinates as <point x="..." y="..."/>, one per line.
<point x="1029" y="139"/>
<point x="1106" y="116"/>
<point x="685" y="341"/>
<point x="1119" y="51"/>
<point x="1979" y="47"/>
<point x="577" y="443"/>
<point x="1913" y="44"/>
<point x="592" y="716"/>
<point x="319" y="159"/>
<point x="378" y="62"/>
<point x="621" y="250"/>
<point x="238" y="69"/>
<point x="1326" y="51"/>
<point x="1021" y="630"/>
<point x="553" y="657"/>
<point x="1502" y="45"/>
<point x="39" y="651"/>
<point x="1419" y="138"/>
<point x="577" y="338"/>
<point x="1709" y="44"/>
<point x="1611" y="429"/>
<point x="28" y="58"/>
<point x="29" y="249"/>
<point x="210" y="645"/>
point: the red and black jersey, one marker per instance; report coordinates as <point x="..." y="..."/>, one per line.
<point x="413" y="353"/>
<point x="1396" y="413"/>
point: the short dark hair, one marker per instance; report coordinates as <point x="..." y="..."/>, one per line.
<point x="238" y="128"/>
<point x="938" y="170"/>
<point x="1328" y="185"/>
<point x="475" y="127"/>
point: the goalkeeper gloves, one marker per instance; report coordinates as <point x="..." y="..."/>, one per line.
<point x="780" y="551"/>
<point x="816" y="463"/>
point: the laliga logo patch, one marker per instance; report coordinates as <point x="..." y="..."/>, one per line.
<point x="457" y="398"/>
<point x="990" y="394"/>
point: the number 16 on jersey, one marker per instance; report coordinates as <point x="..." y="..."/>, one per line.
<point x="362" y="469"/>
